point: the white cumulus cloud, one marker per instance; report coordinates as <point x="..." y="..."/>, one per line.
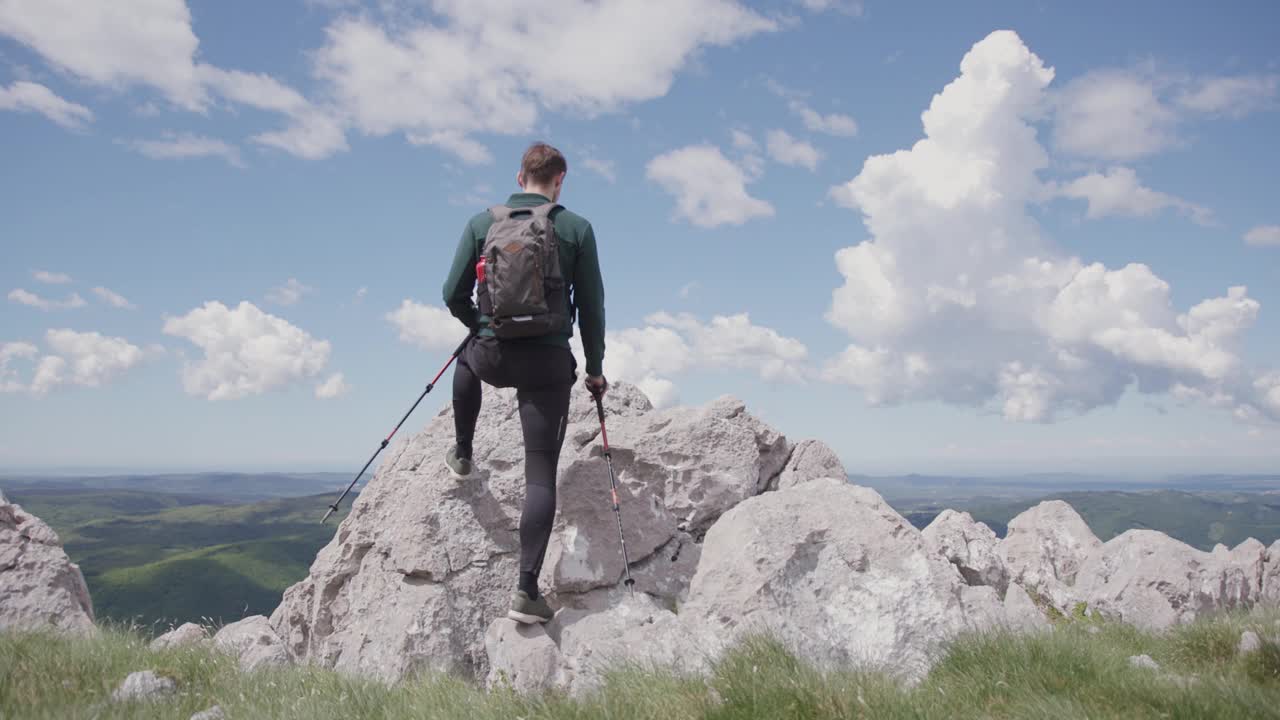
<point x="246" y="351"/>
<point x="89" y="359"/>
<point x="608" y="53"/>
<point x="113" y="44"/>
<point x="1119" y="192"/>
<point x="789" y="150"/>
<point x="710" y="190"/>
<point x="23" y="96"/>
<point x="1127" y="113"/>
<point x="959" y="297"/>
<point x="427" y="326"/>
<point x="668" y="345"/>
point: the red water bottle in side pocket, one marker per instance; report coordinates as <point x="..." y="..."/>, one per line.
<point x="480" y="270"/>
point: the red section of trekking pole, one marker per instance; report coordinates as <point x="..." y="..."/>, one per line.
<point x="613" y="489"/>
<point x="334" y="507"/>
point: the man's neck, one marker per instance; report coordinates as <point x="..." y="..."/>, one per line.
<point x="535" y="190"/>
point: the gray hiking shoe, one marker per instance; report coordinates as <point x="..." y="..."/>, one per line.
<point x="460" y="467"/>
<point x="524" y="610"/>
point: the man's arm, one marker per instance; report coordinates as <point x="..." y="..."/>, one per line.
<point x="462" y="281"/>
<point x="588" y="296"/>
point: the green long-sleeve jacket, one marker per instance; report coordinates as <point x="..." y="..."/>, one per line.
<point x="578" y="262"/>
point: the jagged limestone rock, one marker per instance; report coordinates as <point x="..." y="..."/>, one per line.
<point x="1045" y="548"/>
<point x="970" y="546"/>
<point x="1148" y="579"/>
<point x="810" y="460"/>
<point x="39" y="585"/>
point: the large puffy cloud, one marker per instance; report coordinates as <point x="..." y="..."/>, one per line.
<point x="89" y="359"/>
<point x="709" y="188"/>
<point x="23" y="96"/>
<point x="116" y="44"/>
<point x="151" y="43"/>
<point x="467" y="69"/>
<point x="958" y="296"/>
<point x="439" y="72"/>
<point x="83" y="358"/>
<point x="246" y="351"/>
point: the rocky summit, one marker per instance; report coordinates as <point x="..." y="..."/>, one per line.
<point x="732" y="530"/>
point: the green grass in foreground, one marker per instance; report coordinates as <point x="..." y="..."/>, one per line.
<point x="1068" y="673"/>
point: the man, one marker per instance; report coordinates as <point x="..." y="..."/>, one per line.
<point x="540" y="367"/>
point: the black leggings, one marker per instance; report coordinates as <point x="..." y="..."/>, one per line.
<point x="542" y="376"/>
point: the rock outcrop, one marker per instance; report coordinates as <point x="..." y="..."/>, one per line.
<point x="39" y="585"/>
<point x="732" y="530"/>
<point x="424" y="562"/>
<point x="1148" y="579"/>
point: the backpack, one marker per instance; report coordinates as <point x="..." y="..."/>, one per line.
<point x="520" y="285"/>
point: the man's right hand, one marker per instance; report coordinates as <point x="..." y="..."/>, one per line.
<point x="597" y="385"/>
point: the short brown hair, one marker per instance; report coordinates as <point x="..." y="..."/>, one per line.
<point x="542" y="163"/>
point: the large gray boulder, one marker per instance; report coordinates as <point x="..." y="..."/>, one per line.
<point x="253" y="641"/>
<point x="810" y="460"/>
<point x="1148" y="579"/>
<point x="834" y="572"/>
<point x="575" y="649"/>
<point x="39" y="585"/>
<point x="970" y="546"/>
<point x="1045" y="549"/>
<point x="424" y="562"/>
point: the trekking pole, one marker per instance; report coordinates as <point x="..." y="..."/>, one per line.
<point x="334" y="507"/>
<point x="613" y="487"/>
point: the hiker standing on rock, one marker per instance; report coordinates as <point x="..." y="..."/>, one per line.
<point x="533" y="266"/>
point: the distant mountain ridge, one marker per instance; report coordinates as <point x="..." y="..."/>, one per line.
<point x="227" y="486"/>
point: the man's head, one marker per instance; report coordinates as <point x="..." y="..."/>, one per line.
<point x="542" y="171"/>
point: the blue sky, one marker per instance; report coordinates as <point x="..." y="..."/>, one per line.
<point x="225" y="229"/>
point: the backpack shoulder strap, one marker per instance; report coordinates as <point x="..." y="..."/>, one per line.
<point x="545" y="209"/>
